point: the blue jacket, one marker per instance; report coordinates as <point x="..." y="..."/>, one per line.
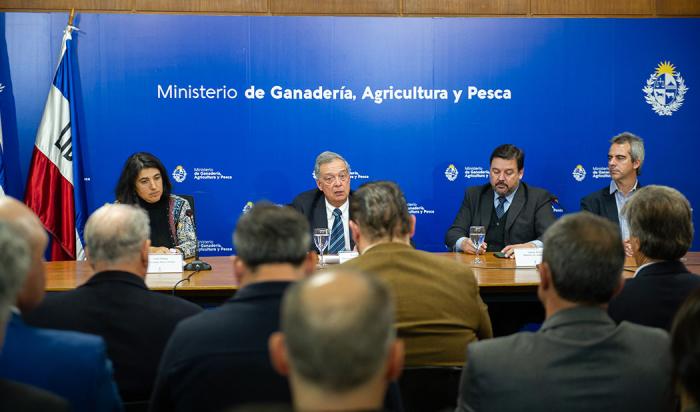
<point x="70" y="364"/>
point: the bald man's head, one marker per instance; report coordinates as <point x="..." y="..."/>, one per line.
<point x="28" y="225"/>
<point x="338" y="329"/>
<point x="116" y="233"/>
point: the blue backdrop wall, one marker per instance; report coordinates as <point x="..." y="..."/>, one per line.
<point x="565" y="86"/>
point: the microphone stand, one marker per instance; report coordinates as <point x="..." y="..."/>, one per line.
<point x="195" y="265"/>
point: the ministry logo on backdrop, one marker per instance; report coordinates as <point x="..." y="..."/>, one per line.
<point x="247" y="207"/>
<point x="179" y="174"/>
<point x="418" y="209"/>
<point x="579" y="173"/>
<point x="354" y="174"/>
<point x="209" y="173"/>
<point x="600" y="172"/>
<point x="665" y="89"/>
<point x="451" y="173"/>
<point x="475" y="172"/>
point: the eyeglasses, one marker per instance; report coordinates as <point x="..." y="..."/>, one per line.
<point x="330" y="179"/>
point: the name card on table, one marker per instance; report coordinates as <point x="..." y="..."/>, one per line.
<point x="164" y="263"/>
<point x="345" y="256"/>
<point x="528" y="257"/>
<point x="341" y="257"/>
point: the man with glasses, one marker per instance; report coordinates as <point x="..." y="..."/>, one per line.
<point x="514" y="214"/>
<point x="328" y="205"/>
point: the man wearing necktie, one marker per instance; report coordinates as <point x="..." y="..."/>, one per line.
<point x="328" y="205"/>
<point x="514" y="214"/>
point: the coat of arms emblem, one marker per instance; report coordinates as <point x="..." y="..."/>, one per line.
<point x="665" y="89"/>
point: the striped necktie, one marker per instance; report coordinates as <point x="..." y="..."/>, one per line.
<point x="500" y="209"/>
<point x="337" y="233"/>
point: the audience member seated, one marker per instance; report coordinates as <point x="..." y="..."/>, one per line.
<point x="661" y="231"/>
<point x="327" y="206"/>
<point x="144" y="182"/>
<point x="580" y="360"/>
<point x="219" y="358"/>
<point x="338" y="344"/>
<point x="685" y="352"/>
<point x="115" y="302"/>
<point x="437" y="303"/>
<point x="14" y="261"/>
<point x="71" y="365"/>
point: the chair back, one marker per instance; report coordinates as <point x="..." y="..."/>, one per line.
<point x="430" y="388"/>
<point x="137" y="406"/>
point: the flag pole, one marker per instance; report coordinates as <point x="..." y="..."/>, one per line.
<point x="72" y="14"/>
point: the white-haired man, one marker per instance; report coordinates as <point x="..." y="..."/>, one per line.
<point x="115" y="302"/>
<point x="328" y="206"/>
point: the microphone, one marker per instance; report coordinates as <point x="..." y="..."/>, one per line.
<point x="196" y="265"/>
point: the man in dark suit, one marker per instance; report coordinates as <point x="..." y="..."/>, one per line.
<point x="15" y="263"/>
<point x="625" y="160"/>
<point x="219" y="358"/>
<point x="438" y="307"/>
<point x="328" y="206"/>
<point x="115" y="302"/>
<point x="579" y="360"/>
<point x="71" y="365"/>
<point x="661" y="232"/>
<point x="514" y="214"/>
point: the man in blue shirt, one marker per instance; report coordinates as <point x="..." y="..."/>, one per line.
<point x="625" y="160"/>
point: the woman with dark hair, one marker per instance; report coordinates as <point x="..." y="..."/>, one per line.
<point x="144" y="182"/>
<point x="685" y="352"/>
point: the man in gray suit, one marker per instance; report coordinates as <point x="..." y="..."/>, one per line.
<point x="580" y="360"/>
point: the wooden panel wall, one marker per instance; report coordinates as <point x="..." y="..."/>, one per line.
<point x="525" y="8"/>
<point x="593" y="7"/>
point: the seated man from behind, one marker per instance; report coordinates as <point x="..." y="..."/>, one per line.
<point x="437" y="303"/>
<point x="14" y="264"/>
<point x="327" y="206"/>
<point x="69" y="364"/>
<point x="661" y="231"/>
<point x="219" y="358"/>
<point x="115" y="302"/>
<point x="580" y="360"/>
<point x="337" y="344"/>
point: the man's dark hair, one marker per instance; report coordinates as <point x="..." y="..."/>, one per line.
<point x="380" y="209"/>
<point x="508" y="152"/>
<point x="271" y="234"/>
<point x="586" y="256"/>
